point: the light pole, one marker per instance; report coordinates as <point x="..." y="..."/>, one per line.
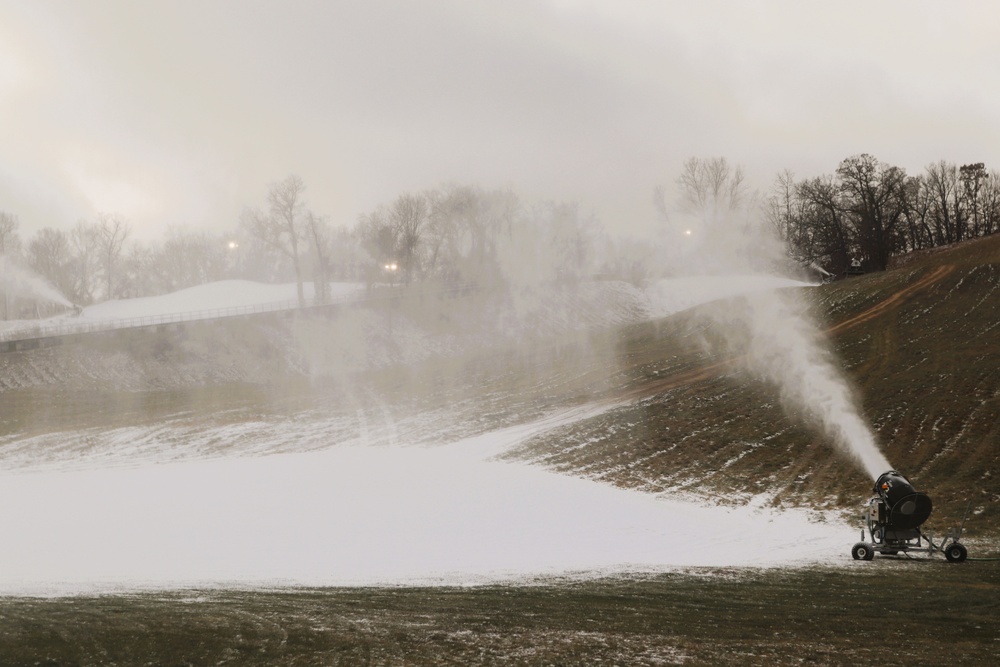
<point x="391" y="268"/>
<point x="234" y="248"/>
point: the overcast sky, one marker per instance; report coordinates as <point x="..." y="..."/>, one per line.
<point x="181" y="112"/>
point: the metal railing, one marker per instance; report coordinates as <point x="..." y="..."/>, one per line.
<point x="69" y="327"/>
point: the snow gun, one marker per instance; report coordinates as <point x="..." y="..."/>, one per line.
<point x="893" y="518"/>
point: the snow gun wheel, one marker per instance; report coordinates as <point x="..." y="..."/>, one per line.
<point x="956" y="553"/>
<point x="863" y="551"/>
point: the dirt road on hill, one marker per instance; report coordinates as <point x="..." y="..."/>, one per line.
<point x="894" y="300"/>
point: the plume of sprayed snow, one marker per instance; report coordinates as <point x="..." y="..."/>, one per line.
<point x="347" y="515"/>
<point x="784" y="346"/>
<point x="772" y="333"/>
<point x="21" y="282"/>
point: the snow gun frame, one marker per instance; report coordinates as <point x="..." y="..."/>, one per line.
<point x="893" y="518"/>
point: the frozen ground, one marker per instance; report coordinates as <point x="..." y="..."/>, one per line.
<point x="363" y="509"/>
<point x="362" y="514"/>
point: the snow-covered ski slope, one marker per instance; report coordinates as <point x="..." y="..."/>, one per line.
<point x="370" y="511"/>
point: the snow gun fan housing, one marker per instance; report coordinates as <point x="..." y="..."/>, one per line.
<point x="899" y="506"/>
<point x="893" y="518"/>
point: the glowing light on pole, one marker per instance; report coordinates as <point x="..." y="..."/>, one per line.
<point x="234" y="247"/>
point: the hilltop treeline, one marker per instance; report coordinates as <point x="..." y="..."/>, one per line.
<point x="866" y="210"/>
<point x="455" y="234"/>
<point x="870" y="211"/>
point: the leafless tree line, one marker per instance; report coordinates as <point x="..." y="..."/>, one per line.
<point x="454" y="235"/>
<point x="466" y="235"/>
<point x="83" y="263"/>
<point x="870" y="211"/>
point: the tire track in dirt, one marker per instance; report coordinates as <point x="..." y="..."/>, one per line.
<point x="893" y="300"/>
<point x="659" y="386"/>
<point x="882" y="341"/>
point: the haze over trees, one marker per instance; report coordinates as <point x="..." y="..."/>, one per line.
<point x="464" y="235"/>
<point x="281" y="225"/>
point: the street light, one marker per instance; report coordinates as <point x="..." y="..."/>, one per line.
<point x="390" y="269"/>
<point x="234" y="247"/>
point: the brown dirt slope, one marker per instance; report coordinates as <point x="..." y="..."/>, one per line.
<point x="921" y="345"/>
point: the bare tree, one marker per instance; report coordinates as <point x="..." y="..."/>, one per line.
<point x="113" y="231"/>
<point x="945" y="191"/>
<point x="379" y="238"/>
<point x="782" y="209"/>
<point x="346" y="257"/>
<point x="319" y="235"/>
<point x="824" y="235"/>
<point x="449" y="238"/>
<point x="49" y="255"/>
<point x="660" y="203"/>
<point x="569" y="239"/>
<point x="8" y="244"/>
<point x="499" y="211"/>
<point x="991" y="203"/>
<point x="136" y="277"/>
<point x="710" y="188"/>
<point x="8" y="232"/>
<point x="280" y="226"/>
<point x="973" y="177"/>
<point x="437" y="232"/>
<point x="874" y="195"/>
<point x="465" y="225"/>
<point x="408" y="215"/>
<point x="84" y="242"/>
<point x="917" y="214"/>
<point x="186" y="258"/>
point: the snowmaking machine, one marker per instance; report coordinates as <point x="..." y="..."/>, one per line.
<point x="893" y="518"/>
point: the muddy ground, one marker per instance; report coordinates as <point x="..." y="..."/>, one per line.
<point x="888" y="611"/>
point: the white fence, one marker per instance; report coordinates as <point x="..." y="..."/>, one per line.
<point x="70" y="326"/>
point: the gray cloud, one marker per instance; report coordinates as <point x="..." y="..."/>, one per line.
<point x="182" y="111"/>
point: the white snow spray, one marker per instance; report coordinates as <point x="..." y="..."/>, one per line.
<point x="782" y="344"/>
<point x="21" y="282"/>
<point x="771" y="333"/>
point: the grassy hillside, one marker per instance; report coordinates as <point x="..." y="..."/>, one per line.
<point x="921" y="345"/>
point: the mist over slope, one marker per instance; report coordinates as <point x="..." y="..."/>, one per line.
<point x="190" y="485"/>
<point x="372" y="331"/>
<point x="476" y="360"/>
<point x="921" y="345"/>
